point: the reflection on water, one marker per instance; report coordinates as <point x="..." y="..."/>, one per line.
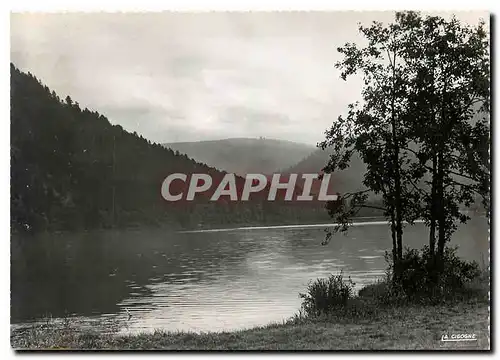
<point x="197" y="281"/>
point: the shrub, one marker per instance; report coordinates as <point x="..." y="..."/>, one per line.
<point x="420" y="278"/>
<point x="382" y="292"/>
<point x="327" y="295"/>
<point x="379" y="289"/>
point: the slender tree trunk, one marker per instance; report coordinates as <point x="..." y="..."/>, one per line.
<point x="392" y="213"/>
<point x="399" y="225"/>
<point x="441" y="208"/>
<point x="397" y="186"/>
<point x="394" y="242"/>
<point x="441" y="211"/>
<point x="397" y="173"/>
<point x="441" y="215"/>
<point x="432" y="233"/>
<point x="434" y="200"/>
<point x="396" y="215"/>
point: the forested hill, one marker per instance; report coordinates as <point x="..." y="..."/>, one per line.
<point x="72" y="169"/>
<point x="69" y="165"/>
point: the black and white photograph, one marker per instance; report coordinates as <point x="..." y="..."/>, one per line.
<point x="250" y="180"/>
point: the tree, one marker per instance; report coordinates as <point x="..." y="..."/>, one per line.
<point x="449" y="102"/>
<point x="375" y="131"/>
<point x="421" y="129"/>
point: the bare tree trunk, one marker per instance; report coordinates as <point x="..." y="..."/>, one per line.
<point x="441" y="211"/>
<point x="441" y="214"/>
<point x="397" y="173"/>
<point x="432" y="233"/>
<point x="394" y="242"/>
<point x="397" y="187"/>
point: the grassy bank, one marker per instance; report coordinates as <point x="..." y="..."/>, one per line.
<point x="398" y="328"/>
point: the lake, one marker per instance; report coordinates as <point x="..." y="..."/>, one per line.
<point x="202" y="281"/>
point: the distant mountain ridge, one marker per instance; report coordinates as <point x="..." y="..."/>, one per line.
<point x="245" y="155"/>
<point x="348" y="180"/>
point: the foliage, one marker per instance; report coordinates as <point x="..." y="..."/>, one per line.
<point x="383" y="293"/>
<point x="422" y="279"/>
<point x="327" y="295"/>
<point x="448" y="118"/>
<point x="374" y="130"/>
<point x="422" y="128"/>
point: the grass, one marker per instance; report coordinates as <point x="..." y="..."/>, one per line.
<point x="408" y="327"/>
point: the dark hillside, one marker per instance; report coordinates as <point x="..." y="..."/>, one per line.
<point x="72" y="169"/>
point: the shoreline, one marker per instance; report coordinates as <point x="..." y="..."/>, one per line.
<point x="404" y="327"/>
<point x="184" y="230"/>
<point x="299" y="226"/>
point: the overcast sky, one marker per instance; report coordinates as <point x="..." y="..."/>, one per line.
<point x="186" y="77"/>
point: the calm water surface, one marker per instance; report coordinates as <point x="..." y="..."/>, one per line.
<point x="197" y="281"/>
